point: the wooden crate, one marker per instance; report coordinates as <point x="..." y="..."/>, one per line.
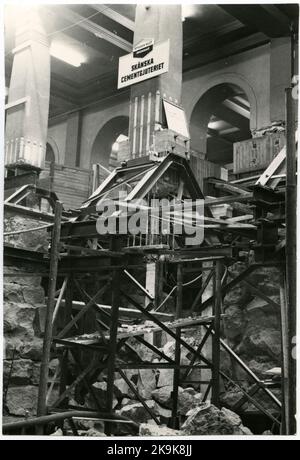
<point x="72" y="185"/>
<point x="203" y="169"/>
<point x="257" y="153"/>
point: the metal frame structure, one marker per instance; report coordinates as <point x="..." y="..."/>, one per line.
<point x="111" y="266"/>
<point x="77" y="250"/>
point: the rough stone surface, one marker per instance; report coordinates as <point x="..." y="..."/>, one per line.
<point x="146" y="383"/>
<point x="137" y="412"/>
<point x="100" y="389"/>
<point x="57" y="433"/>
<point x="234" y="323"/>
<point x="37" y="240"/>
<point x="23" y="343"/>
<point x="207" y="419"/>
<point x="32" y="349"/>
<point x="18" y="317"/>
<point x="187" y="398"/>
<point x="149" y="429"/>
<point x="165" y="377"/>
<point x="127" y="402"/>
<point x="261" y="365"/>
<point x="121" y="388"/>
<point x="17" y="372"/>
<point x="163" y="413"/>
<point x="163" y="396"/>
<point x="22" y="401"/>
<point x="92" y="432"/>
<point x="263" y="342"/>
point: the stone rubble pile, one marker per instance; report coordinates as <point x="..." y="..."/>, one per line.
<point x="251" y="328"/>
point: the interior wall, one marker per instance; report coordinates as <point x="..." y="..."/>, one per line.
<point x="57" y="134"/>
<point x="94" y="119"/>
<point x="249" y="70"/>
<point x="107" y="135"/>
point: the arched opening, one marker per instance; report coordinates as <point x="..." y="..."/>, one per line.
<point x="220" y="118"/>
<point x="50" y="156"/>
<point x="105" y="145"/>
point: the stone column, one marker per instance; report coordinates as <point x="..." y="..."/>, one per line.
<point x="29" y="90"/>
<point x="280" y="76"/>
<point x="160" y="22"/>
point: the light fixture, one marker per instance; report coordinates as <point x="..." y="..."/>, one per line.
<point x="66" y="53"/>
<point x="187" y="11"/>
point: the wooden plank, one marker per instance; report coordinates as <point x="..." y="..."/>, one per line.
<point x="272" y="168"/>
<point x="82" y="312"/>
<point x="124" y="312"/>
<point x="42" y="395"/>
<point x="176" y="375"/>
<point x="216" y="336"/>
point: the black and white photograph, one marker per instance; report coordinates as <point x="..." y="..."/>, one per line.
<point x="149" y="226"/>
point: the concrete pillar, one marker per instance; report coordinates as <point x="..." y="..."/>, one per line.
<point x="72" y="150"/>
<point x="29" y="90"/>
<point x="280" y="76"/>
<point x="160" y="22"/>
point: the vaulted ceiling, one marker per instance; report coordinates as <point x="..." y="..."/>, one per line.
<point x="102" y="33"/>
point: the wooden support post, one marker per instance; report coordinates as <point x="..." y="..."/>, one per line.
<point x="201" y="291"/>
<point x="216" y="335"/>
<point x="285" y="357"/>
<point x="63" y="375"/>
<point x="61" y="293"/>
<point x="150" y="287"/>
<point x="41" y="407"/>
<point x="68" y="300"/>
<point x="176" y="379"/>
<point x="115" y="287"/>
<point x="159" y="281"/>
<point x="291" y="238"/>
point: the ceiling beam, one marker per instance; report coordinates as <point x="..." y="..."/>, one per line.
<point x="204" y="39"/>
<point x="95" y="29"/>
<point x="270" y="21"/>
<point x="60" y="94"/>
<point x="242" y="101"/>
<point x="114" y="15"/>
<point x="233" y="118"/>
<point x="237" y="108"/>
<point x="215" y="134"/>
<point x="229" y="49"/>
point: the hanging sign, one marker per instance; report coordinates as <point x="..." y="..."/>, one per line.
<point x="146" y="61"/>
<point x="176" y="120"/>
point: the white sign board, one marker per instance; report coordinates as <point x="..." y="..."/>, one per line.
<point x="135" y="69"/>
<point x="176" y="120"/>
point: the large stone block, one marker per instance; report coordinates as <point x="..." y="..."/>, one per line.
<point x="151" y="429"/>
<point x="234" y="322"/>
<point x="22" y="401"/>
<point x="263" y="342"/>
<point x="100" y="390"/>
<point x="187" y="398"/>
<point x="207" y="419"/>
<point x="34" y="294"/>
<point x="146" y="383"/>
<point x="137" y="412"/>
<point x="33" y="349"/>
<point x="37" y="240"/>
<point x="17" y="372"/>
<point x="18" y="317"/>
